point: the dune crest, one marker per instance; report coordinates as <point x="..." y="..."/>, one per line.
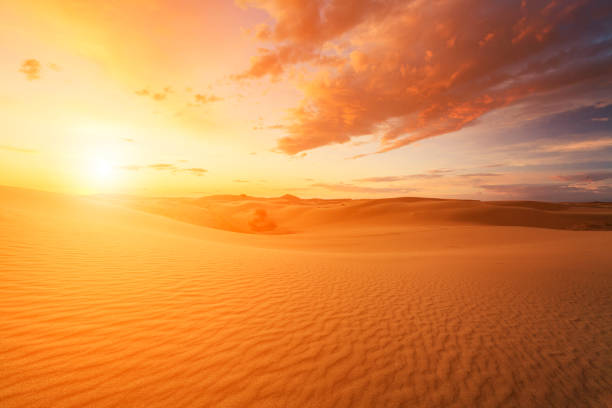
<point x="292" y="214"/>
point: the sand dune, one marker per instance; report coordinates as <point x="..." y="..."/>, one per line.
<point x="289" y="214"/>
<point x="333" y="303"/>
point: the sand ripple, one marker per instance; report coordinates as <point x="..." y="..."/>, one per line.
<point x="101" y="312"/>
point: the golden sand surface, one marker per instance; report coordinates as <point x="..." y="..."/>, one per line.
<point x="234" y="301"/>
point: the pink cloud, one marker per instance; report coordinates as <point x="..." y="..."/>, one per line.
<point x="407" y="71"/>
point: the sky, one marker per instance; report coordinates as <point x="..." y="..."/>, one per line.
<point x="470" y="99"/>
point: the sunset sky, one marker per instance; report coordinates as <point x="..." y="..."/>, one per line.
<point x="317" y="98"/>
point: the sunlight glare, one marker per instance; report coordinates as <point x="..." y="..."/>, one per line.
<point x="102" y="169"/>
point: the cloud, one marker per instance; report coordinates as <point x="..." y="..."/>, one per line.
<point x="204" y="99"/>
<point x="191" y="100"/>
<point x="194" y="171"/>
<point x="479" y="175"/>
<point x="386" y="179"/>
<point x="431" y="174"/>
<point x="156" y="96"/>
<point x="586" y="177"/>
<point x="17" y="149"/>
<point x="586" y="145"/>
<point x="353" y="188"/>
<point x="549" y="192"/>
<point x="406" y="71"/>
<point x="31" y="69"/>
<point x="162" y="166"/>
<point x="381" y="179"/>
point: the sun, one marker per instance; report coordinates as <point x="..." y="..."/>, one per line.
<point x="102" y="169"/>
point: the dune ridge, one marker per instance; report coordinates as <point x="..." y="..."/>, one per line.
<point x="104" y="306"/>
<point x="290" y="214"/>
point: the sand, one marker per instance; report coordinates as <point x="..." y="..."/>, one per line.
<point x="123" y="302"/>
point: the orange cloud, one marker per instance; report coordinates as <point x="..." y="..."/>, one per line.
<point x="203" y="99"/>
<point x="412" y="71"/>
<point x="31" y="69"/>
<point x="585" y="145"/>
<point x="196" y="171"/>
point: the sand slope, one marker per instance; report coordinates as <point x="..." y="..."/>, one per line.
<point x="103" y="305"/>
<point x="289" y="214"/>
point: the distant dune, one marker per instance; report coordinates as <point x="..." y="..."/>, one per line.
<point x="290" y="214"/>
<point x="407" y="302"/>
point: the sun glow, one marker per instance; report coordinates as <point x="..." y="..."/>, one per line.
<point x="102" y="169"/>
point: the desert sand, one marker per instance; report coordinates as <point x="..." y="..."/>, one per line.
<point x="236" y="301"/>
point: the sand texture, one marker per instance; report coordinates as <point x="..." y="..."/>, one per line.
<point x="124" y="302"/>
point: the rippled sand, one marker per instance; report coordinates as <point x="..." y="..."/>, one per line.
<point x="103" y="305"/>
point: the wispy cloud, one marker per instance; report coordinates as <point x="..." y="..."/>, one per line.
<point x="203" y="99"/>
<point x="17" y="149"/>
<point x="353" y="188"/>
<point x="169" y="167"/>
<point x="431" y="174"/>
<point x="156" y="96"/>
<point x="586" y="145"/>
<point x="162" y="166"/>
<point x="197" y="171"/>
<point x="586" y="177"/>
<point x="190" y="100"/>
<point x="549" y="192"/>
